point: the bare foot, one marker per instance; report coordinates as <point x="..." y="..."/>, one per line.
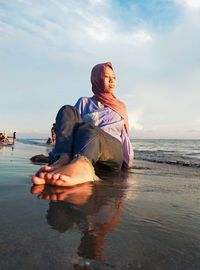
<point x="63" y="160"/>
<point x="77" y="172"/>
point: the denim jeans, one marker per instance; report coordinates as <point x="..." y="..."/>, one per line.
<point x="75" y="137"/>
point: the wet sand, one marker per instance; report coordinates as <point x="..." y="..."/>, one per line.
<point x="146" y="219"/>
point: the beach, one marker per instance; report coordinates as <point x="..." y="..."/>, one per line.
<point x="148" y="218"/>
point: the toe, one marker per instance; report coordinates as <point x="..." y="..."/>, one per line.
<point x="41" y="175"/>
<point x="38" y="181"/>
<point x="48" y="176"/>
<point x="56" y="176"/>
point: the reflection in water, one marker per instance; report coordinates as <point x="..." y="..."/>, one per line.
<point x="6" y="146"/>
<point x="93" y="209"/>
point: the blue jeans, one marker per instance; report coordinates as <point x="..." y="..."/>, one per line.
<point x="75" y="137"/>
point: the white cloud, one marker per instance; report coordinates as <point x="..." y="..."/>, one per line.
<point x="143" y="36"/>
<point x="189" y="3"/>
<point x="22" y="1"/>
<point x="98" y="28"/>
<point x="158" y="73"/>
<point x="2" y="14"/>
<point x="95" y="3"/>
<point x="87" y="27"/>
<point x="95" y="35"/>
<point x="134" y="117"/>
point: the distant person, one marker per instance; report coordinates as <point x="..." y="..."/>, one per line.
<point x="14" y="137"/>
<point x="1" y="137"/>
<point x="42" y="158"/>
<point x="5" y="135"/>
<point x="49" y="141"/>
<point x="53" y="133"/>
<point x="93" y="132"/>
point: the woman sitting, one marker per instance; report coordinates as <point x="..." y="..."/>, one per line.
<point x="93" y="132"/>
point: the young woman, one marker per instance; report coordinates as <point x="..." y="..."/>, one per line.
<point x="92" y="133"/>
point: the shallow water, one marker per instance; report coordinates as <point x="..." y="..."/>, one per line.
<point x="182" y="152"/>
<point x="147" y="219"/>
<point x="178" y="152"/>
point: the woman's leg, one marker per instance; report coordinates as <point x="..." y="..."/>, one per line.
<point x="67" y="120"/>
<point x="98" y="146"/>
<point x="91" y="145"/>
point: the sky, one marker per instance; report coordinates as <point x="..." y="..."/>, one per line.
<point x="48" y="48"/>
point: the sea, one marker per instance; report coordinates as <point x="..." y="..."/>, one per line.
<point x="177" y="152"/>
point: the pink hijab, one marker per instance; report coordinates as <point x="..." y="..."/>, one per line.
<point x="105" y="98"/>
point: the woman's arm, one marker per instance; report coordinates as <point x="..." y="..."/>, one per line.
<point x="82" y="105"/>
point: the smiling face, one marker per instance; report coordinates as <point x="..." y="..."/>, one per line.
<point x="103" y="79"/>
<point x="109" y="80"/>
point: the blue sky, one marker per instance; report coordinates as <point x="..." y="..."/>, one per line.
<point x="47" y="50"/>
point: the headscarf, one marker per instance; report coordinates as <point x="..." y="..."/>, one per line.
<point x="108" y="99"/>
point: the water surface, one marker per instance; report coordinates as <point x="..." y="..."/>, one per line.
<point x="146" y="219"/>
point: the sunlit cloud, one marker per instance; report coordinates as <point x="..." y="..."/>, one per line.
<point x="134" y="118"/>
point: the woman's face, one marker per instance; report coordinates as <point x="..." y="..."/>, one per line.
<point x="109" y="80"/>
